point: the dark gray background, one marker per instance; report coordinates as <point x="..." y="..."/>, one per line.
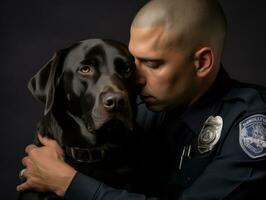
<point x="30" y="31"/>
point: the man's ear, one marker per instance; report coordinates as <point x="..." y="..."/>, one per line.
<point x="203" y="60"/>
<point x="42" y="84"/>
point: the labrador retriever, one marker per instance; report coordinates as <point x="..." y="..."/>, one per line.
<point x="89" y="97"/>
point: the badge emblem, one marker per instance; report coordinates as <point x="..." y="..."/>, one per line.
<point x="210" y="133"/>
<point x="252" y="135"/>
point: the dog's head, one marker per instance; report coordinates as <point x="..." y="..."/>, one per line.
<point x="91" y="82"/>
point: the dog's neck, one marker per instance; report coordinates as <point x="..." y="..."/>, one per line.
<point x="98" y="162"/>
<point x="86" y="155"/>
<point x="50" y="127"/>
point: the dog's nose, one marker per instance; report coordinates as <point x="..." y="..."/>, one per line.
<point x="114" y="101"/>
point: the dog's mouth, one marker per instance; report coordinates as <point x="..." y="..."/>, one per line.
<point x="113" y="132"/>
<point x="106" y="139"/>
<point x="101" y="130"/>
<point x="111" y="120"/>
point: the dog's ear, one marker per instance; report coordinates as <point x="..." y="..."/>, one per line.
<point x="42" y="85"/>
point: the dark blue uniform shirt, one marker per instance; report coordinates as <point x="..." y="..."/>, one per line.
<point x="173" y="165"/>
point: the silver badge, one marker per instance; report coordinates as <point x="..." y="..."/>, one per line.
<point x="210" y="133"/>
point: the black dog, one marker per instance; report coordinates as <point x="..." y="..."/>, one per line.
<point x="89" y="97"/>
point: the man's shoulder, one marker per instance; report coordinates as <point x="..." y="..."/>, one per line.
<point x="246" y="92"/>
<point x="242" y="101"/>
<point x="246" y="97"/>
<point x="244" y="114"/>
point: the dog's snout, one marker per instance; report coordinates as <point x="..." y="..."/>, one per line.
<point x="114" y="101"/>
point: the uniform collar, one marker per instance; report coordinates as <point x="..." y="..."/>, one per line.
<point x="195" y="115"/>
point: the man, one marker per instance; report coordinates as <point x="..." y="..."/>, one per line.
<point x="207" y="136"/>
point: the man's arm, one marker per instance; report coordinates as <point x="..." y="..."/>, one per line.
<point x="46" y="171"/>
<point x="85" y="188"/>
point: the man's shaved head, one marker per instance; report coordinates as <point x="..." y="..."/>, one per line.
<point x="190" y="24"/>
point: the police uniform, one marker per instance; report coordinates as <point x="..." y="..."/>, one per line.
<point x="214" y="149"/>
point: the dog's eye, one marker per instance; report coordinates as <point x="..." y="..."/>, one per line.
<point x="86" y="70"/>
<point x="127" y="70"/>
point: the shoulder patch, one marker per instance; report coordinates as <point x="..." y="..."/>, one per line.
<point x="252" y="135"/>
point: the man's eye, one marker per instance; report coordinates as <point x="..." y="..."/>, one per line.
<point x="152" y="64"/>
<point x="86" y="70"/>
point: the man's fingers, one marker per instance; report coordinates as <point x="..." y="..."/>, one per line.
<point x="51" y="143"/>
<point x="47" y="142"/>
<point x="26" y="161"/>
<point x="43" y="140"/>
<point x="26" y="173"/>
<point x="22" y="187"/>
<point x="29" y="148"/>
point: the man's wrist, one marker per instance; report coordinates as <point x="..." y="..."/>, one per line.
<point x="83" y="187"/>
<point x="65" y="181"/>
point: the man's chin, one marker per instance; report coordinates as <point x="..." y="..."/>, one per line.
<point x="155" y="107"/>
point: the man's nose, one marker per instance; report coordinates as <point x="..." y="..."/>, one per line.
<point x="140" y="74"/>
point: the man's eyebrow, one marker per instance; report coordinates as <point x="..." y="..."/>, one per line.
<point x="145" y="59"/>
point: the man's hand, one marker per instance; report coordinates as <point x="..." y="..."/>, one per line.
<point x="46" y="170"/>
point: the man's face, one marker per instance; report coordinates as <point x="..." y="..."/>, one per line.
<point x="166" y="75"/>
